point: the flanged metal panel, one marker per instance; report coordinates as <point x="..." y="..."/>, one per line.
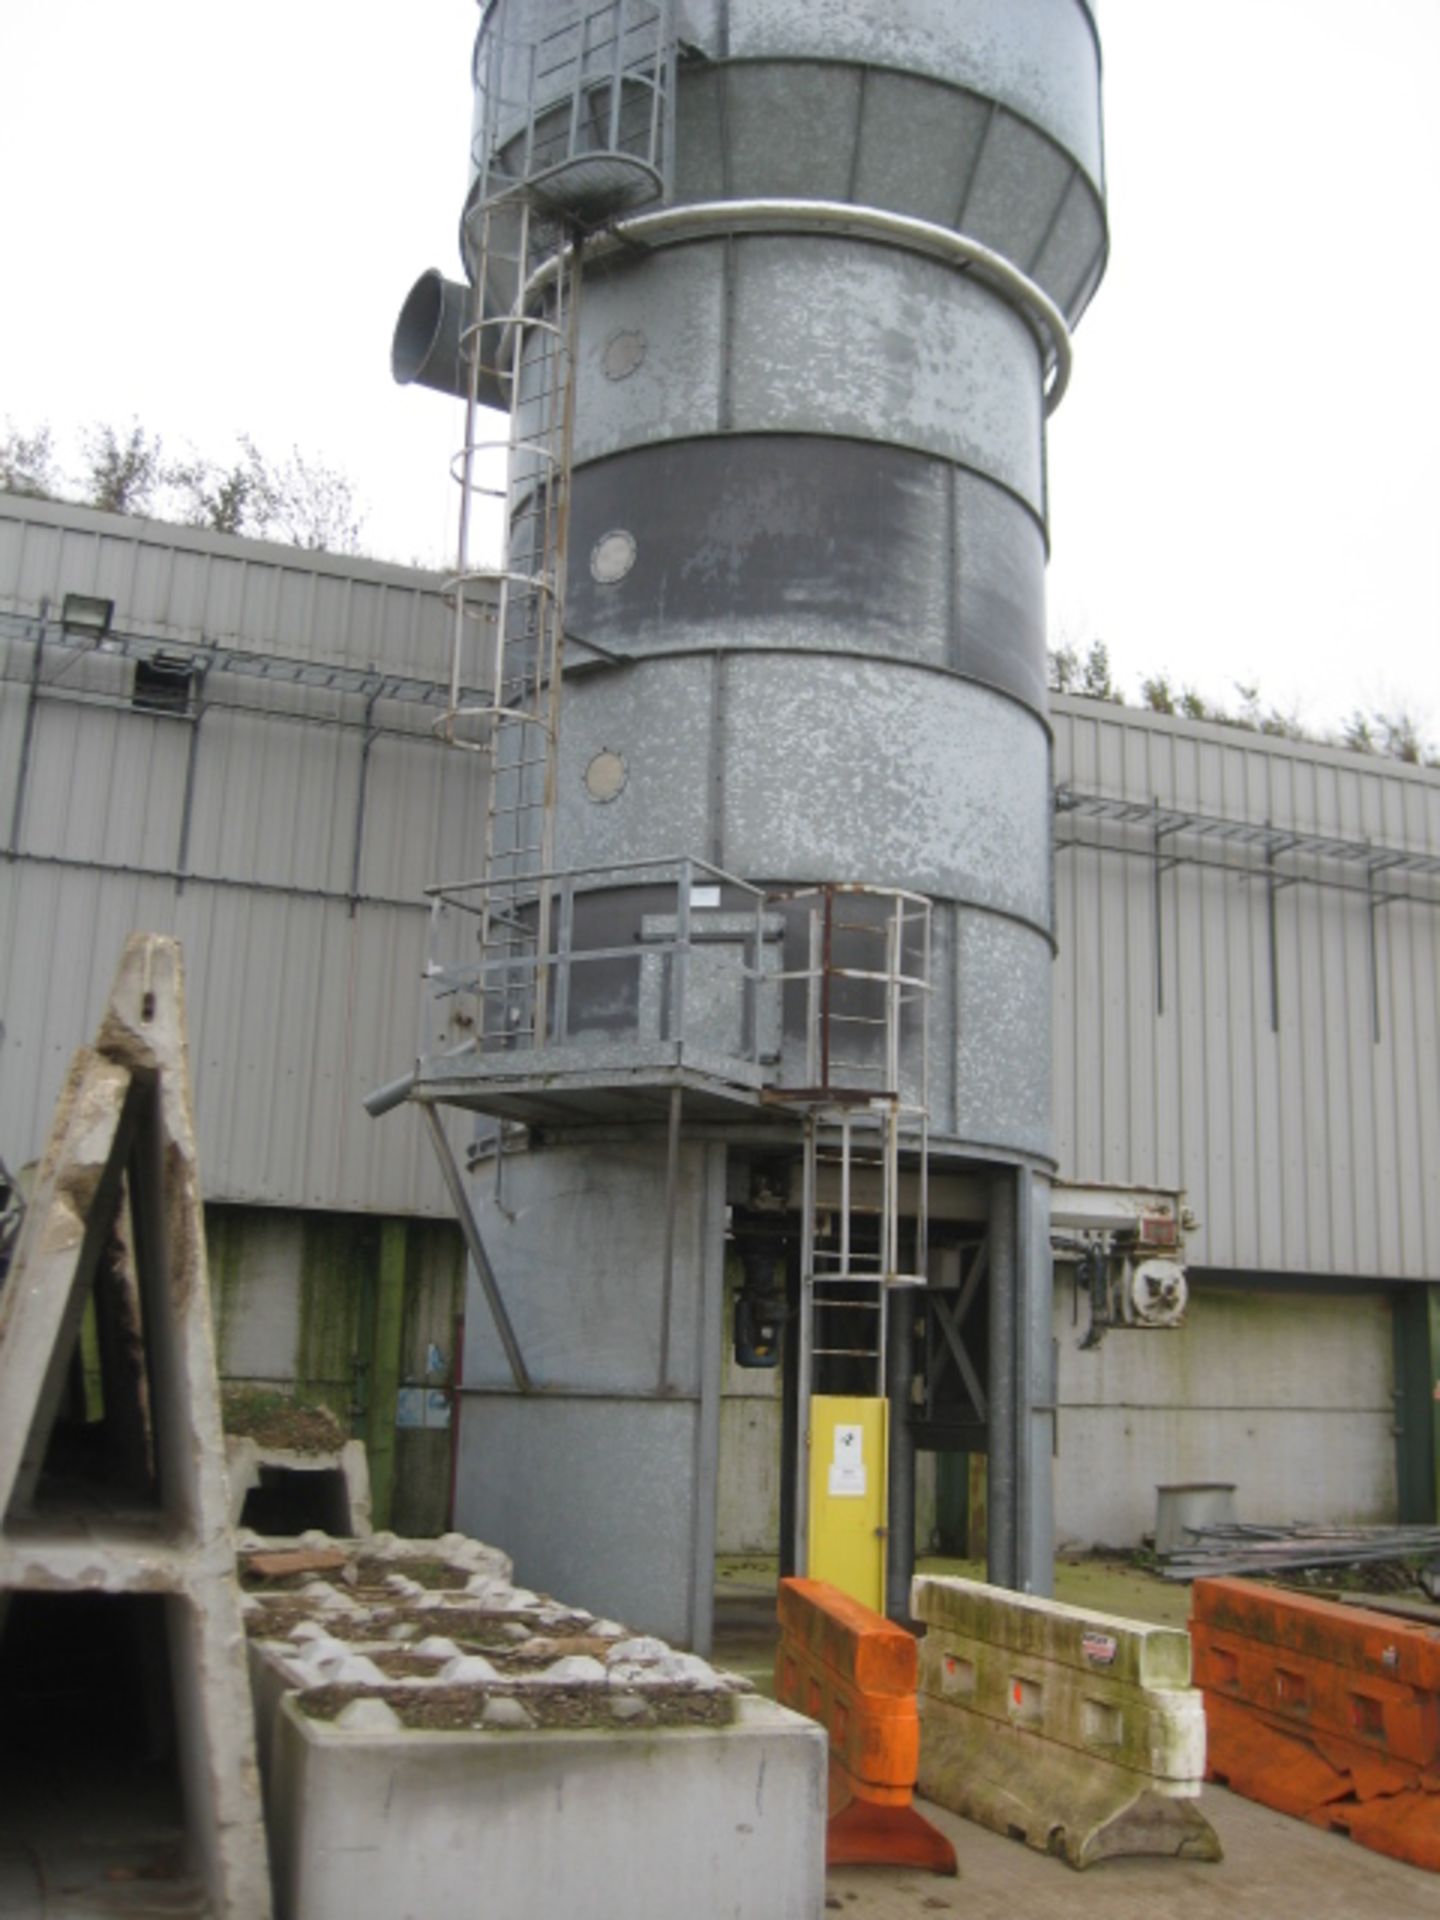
<point x="813" y="767"/>
<point x="787" y="333"/>
<point x="792" y="543"/>
<point x="1038" y="57"/>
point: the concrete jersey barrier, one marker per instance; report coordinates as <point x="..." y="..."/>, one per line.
<point x="1076" y="1732"/>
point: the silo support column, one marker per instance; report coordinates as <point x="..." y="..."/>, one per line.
<point x="1021" y="1551"/>
<point x="900" y="1519"/>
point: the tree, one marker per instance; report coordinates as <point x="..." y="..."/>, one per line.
<point x="1261" y="719"/>
<point x="303" y="501"/>
<point x="1064" y="669"/>
<point x="123" y="470"/>
<point x="27" y="462"/>
<point x="1095" y="680"/>
<point x="1158" y="694"/>
<point x="298" y="500"/>
<point x="1400" y="736"/>
<point x="222" y="498"/>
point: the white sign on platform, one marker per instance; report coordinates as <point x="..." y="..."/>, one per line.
<point x="847" y="1469"/>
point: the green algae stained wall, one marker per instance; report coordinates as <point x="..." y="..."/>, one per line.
<point x="340" y="1255"/>
<point x="434" y="1300"/>
<point x="295" y="1299"/>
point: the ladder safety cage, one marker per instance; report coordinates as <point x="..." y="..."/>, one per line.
<point x="866" y="1111"/>
<point x="580" y="119"/>
<point x="866" y="1104"/>
<point x="572" y="129"/>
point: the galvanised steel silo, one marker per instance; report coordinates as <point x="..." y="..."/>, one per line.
<point x="755" y="953"/>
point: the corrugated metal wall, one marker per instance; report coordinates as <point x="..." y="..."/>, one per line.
<point x="303" y="958"/>
<point x="184" y="584"/>
<point x="1299" y="1102"/>
<point x="1310" y="1148"/>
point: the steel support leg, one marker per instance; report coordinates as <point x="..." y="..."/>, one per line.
<point x="900" y="1538"/>
<point x="1022" y="1411"/>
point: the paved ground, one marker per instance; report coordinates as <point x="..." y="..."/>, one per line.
<point x="1274" y="1869"/>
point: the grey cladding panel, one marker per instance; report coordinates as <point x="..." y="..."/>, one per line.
<point x="818" y="767"/>
<point x="1039" y="57"/>
<point x="1070" y="263"/>
<point x="650" y="350"/>
<point x="762" y="541"/>
<point x="919" y="146"/>
<point x="1018" y="187"/>
<point x="811" y="335"/>
<point x="196" y="587"/>
<point x="593" y="1499"/>
<point x="999" y="633"/>
<point x="878" y="344"/>
<point x="578" y="1252"/>
<point x="787" y="543"/>
<point x="700" y="163"/>
<point x="792" y="130"/>
<point x="1003" y="1002"/>
<point x="1309" y="1146"/>
<point x="902" y="142"/>
<point x="660" y="726"/>
<point x="850" y="769"/>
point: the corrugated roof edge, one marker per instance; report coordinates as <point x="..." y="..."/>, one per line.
<point x="230" y="546"/>
<point x="1078" y="706"/>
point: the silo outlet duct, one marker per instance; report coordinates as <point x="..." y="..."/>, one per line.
<point x="426" y="350"/>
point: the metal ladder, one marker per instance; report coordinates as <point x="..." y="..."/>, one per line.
<point x="575" y="127"/>
<point x="865" y="1105"/>
<point x="509" y="618"/>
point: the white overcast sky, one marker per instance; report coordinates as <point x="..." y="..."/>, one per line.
<point x="211" y="214"/>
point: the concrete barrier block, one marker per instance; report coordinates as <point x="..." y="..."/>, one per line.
<point x="476" y="1733"/>
<point x="340" y="1475"/>
<point x="1075" y="1732"/>
<point x="1133" y="1651"/>
<point x="371" y="1822"/>
<point x="1155" y="1731"/>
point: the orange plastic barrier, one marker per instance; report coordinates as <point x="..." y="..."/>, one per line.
<point x="856" y="1673"/>
<point x="1327" y="1712"/>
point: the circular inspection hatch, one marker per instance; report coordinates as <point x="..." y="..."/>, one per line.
<point x="606" y="775"/>
<point x="612" y="556"/>
<point x="623" y="353"/>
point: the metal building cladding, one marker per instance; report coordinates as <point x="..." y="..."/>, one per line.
<point x="1309" y="1153"/>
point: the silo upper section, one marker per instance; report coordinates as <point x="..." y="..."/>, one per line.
<point x="978" y="115"/>
<point x="804" y="496"/>
<point x="982" y="116"/>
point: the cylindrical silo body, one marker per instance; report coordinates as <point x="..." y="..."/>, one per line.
<point x="807" y="543"/>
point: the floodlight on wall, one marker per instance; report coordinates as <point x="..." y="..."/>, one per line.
<point x="86" y="617"/>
